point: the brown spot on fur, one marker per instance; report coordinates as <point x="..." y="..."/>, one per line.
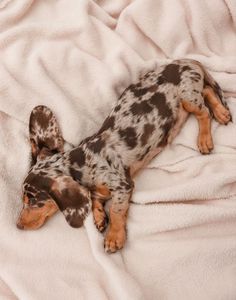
<point x="166" y="127"/>
<point x="159" y="100"/>
<point x="31" y="189"/>
<point x="77" y="156"/>
<point x="76" y="174"/>
<point x="74" y="219"/>
<point x="141" y="108"/>
<point x="40" y="182"/>
<point x="45" y="152"/>
<point x="129" y="136"/>
<point x="147" y="132"/>
<point x="129" y="181"/>
<point x="49" y="142"/>
<point x="42" y="119"/>
<point x="96" y="145"/>
<point x="72" y="199"/>
<point x="186" y="68"/>
<point x="117" y="108"/>
<point x="171" y="74"/>
<point x="137" y="91"/>
<point x="34" y="151"/>
<point x="108" y="124"/>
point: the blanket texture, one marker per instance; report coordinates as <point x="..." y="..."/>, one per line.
<point x="77" y="57"/>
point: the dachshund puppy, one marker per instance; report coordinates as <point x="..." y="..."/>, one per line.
<point x="146" y="117"/>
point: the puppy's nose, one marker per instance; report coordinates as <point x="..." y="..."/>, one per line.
<point x="20" y="226"/>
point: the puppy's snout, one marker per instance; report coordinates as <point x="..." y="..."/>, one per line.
<point x="20" y="226"/>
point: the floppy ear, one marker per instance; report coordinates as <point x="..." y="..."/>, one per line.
<point x="72" y="199"/>
<point x="44" y="132"/>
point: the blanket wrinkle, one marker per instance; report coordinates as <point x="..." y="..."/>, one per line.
<point x="114" y="9"/>
<point x="77" y="57"/>
<point x="7" y="292"/>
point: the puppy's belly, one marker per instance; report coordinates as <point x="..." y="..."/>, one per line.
<point x="141" y="164"/>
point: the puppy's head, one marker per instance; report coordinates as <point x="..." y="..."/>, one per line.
<point x="44" y="194"/>
<point x="43" y="197"/>
<point x="38" y="206"/>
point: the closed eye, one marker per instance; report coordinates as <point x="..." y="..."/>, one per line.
<point x="32" y="201"/>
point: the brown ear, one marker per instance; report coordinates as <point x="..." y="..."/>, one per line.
<point x="44" y="132"/>
<point x="72" y="199"/>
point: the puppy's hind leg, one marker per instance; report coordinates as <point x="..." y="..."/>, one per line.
<point x="198" y="108"/>
<point x="219" y="108"/>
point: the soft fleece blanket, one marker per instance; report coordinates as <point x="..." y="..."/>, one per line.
<point x="77" y="57"/>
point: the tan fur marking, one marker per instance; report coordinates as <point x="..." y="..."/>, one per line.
<point x="35" y="217"/>
<point x="25" y="200"/>
<point x="102" y="191"/>
<point x="221" y="114"/>
<point x="99" y="215"/>
<point x="116" y="235"/>
<point x="205" y="143"/>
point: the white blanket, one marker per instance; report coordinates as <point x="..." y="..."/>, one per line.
<point x="77" y="57"/>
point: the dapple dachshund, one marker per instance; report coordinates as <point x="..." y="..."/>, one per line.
<point x="146" y="117"/>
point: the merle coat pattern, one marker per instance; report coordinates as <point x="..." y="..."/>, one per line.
<point x="146" y="117"/>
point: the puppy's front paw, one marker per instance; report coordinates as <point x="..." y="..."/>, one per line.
<point x="100" y="219"/>
<point x="205" y="143"/>
<point x="114" y="240"/>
